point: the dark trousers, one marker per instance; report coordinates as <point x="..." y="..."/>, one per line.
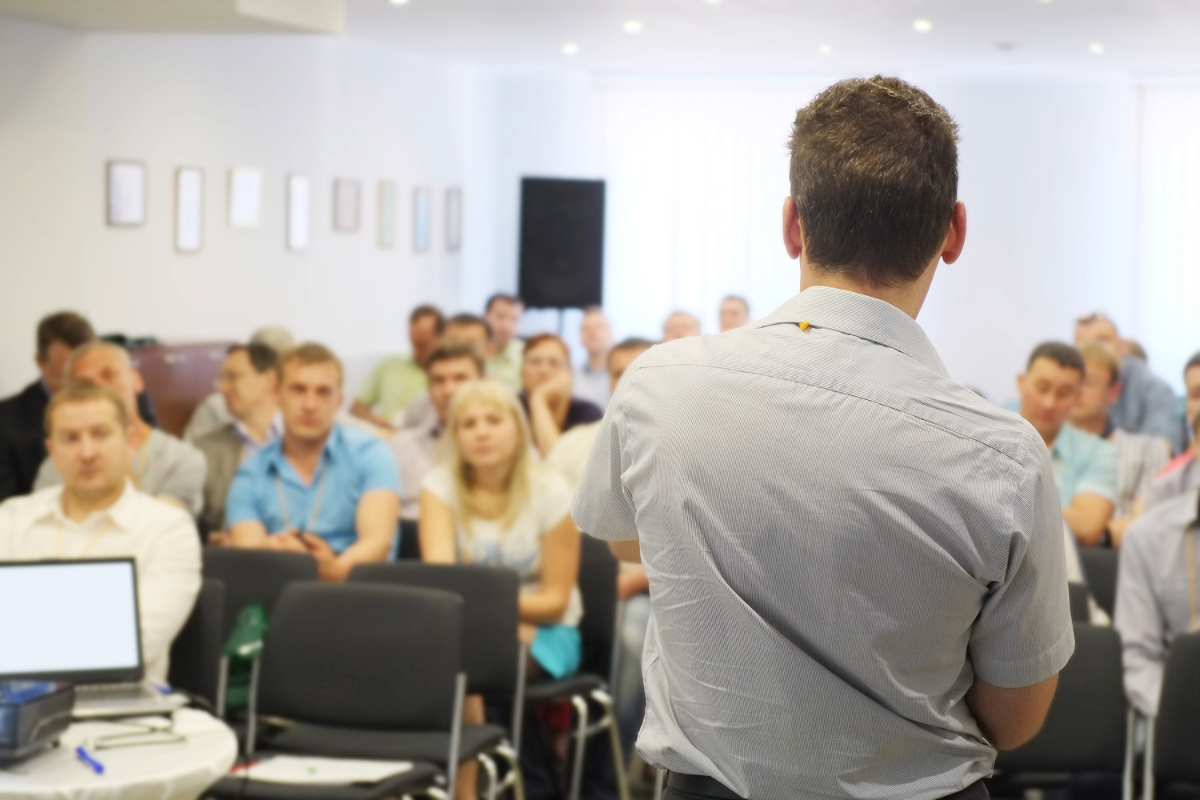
<point x="701" y="787"/>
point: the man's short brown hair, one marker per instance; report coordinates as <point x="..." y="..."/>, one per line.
<point x="65" y="326"/>
<point x="874" y="176"/>
<point x="452" y="351"/>
<point x="311" y="353"/>
<point x="1060" y="353"/>
<point x="84" y="393"/>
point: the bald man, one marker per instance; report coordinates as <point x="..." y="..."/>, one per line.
<point x="162" y="465"/>
<point x="680" y="325"/>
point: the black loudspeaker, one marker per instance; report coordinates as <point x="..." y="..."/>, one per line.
<point x="562" y="243"/>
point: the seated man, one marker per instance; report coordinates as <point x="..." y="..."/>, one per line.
<point x="417" y="449"/>
<point x="734" y="313"/>
<point x="1146" y="403"/>
<point x="1155" y="594"/>
<point x="506" y="352"/>
<point x="1183" y="474"/>
<point x="22" y="416"/>
<point x="1085" y="466"/>
<point x="249" y="383"/>
<point x="680" y="325"/>
<point x="591" y="378"/>
<point x="398" y="380"/>
<point x="212" y="413"/>
<point x="170" y="469"/>
<point x="321" y="488"/>
<point x="97" y="513"/>
<point x="465" y="329"/>
<point x="1139" y="457"/>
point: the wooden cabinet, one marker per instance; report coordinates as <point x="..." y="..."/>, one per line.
<point x="178" y="377"/>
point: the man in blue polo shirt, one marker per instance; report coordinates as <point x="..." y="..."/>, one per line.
<point x="321" y="489"/>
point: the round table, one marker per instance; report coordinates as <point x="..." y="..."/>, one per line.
<point x="176" y="771"/>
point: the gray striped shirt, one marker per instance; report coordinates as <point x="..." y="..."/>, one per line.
<point x="838" y="539"/>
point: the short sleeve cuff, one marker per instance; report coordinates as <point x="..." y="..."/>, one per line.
<point x="1027" y="672"/>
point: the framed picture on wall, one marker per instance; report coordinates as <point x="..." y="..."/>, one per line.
<point x="387" y="214"/>
<point x="126" y="193"/>
<point x="453" y="219"/>
<point x="245" y="197"/>
<point x="422" y="213"/>
<point x="189" y="209"/>
<point x="347" y="202"/>
<point x="297" y="213"/>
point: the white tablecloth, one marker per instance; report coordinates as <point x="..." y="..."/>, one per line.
<point x="179" y="771"/>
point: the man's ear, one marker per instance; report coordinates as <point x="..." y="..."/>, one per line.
<point x="956" y="236"/>
<point x="793" y="231"/>
<point x="139" y="385"/>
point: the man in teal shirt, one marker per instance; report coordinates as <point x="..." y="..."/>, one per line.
<point x="1085" y="466"/>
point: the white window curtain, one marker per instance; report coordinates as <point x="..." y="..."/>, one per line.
<point x="697" y="175"/>
<point x="1168" y="227"/>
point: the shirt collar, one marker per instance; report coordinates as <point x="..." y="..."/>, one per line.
<point x="857" y="315"/>
<point x="276" y="459"/>
<point x="121" y="513"/>
<point x="274" y="431"/>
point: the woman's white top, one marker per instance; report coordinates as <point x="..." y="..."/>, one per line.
<point x="519" y="547"/>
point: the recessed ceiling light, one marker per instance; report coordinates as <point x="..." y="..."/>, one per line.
<point x="1096" y="49"/>
<point x="633" y="26"/>
<point x="922" y="25"/>
<point x="1045" y="2"/>
<point x="570" y="49"/>
<point x="824" y="49"/>
<point x="399" y="2"/>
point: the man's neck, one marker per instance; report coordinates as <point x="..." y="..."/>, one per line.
<point x="1096" y="425"/>
<point x="140" y="434"/>
<point x="598" y="360"/>
<point x="908" y="297"/>
<point x="303" y="454"/>
<point x="79" y="507"/>
<point x="258" y="421"/>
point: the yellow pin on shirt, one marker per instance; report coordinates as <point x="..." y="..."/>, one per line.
<point x="804" y="325"/>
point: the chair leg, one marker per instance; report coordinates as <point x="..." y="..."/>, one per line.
<point x="493" y="776"/>
<point x="1148" y="765"/>
<point x="514" y="770"/>
<point x="581" y="737"/>
<point x="618" y="755"/>
<point x="1127" y="773"/>
<point x="660" y="779"/>
<point x="222" y="685"/>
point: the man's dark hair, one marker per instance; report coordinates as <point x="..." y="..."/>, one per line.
<point x="463" y="320"/>
<point x="421" y="312"/>
<point x="874" y="176"/>
<point x="450" y="351"/>
<point x="1192" y="363"/>
<point x="507" y="298"/>
<point x="632" y="343"/>
<point x="1060" y="353"/>
<point x="65" y="326"/>
<point x="262" y="357"/>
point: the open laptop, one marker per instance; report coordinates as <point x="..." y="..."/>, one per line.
<point x="77" y="622"/>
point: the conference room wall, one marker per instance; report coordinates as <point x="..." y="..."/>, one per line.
<point x="321" y="106"/>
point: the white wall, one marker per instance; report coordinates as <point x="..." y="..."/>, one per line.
<point x="325" y="107"/>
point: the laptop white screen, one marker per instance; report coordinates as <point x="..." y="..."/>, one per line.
<point x="68" y="617"/>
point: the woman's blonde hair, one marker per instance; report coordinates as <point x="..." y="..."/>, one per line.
<point x="499" y="396"/>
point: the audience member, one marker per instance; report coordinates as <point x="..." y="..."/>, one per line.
<point x="321" y="488"/>
<point x="547" y="398"/>
<point x="212" y="412"/>
<point x="166" y="467"/>
<point x="97" y="513"/>
<point x="503" y="315"/>
<point x="465" y="329"/>
<point x="1085" y="466"/>
<point x="1133" y="348"/>
<point x="249" y="383"/>
<point x="22" y="435"/>
<point x="1139" y="457"/>
<point x="491" y="504"/>
<point x="680" y="325"/>
<point x="591" y="378"/>
<point x="416" y="449"/>
<point x="398" y="380"/>
<point x="1156" y="594"/>
<point x="1146" y="403"/>
<point x="1182" y="474"/>
<point x="734" y="313"/>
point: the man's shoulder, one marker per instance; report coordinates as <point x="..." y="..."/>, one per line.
<point x="218" y="439"/>
<point x="1177" y="465"/>
<point x="1084" y="446"/>
<point x="27" y="506"/>
<point x="357" y="441"/>
<point x="22" y="407"/>
<point x="1162" y="523"/>
<point x="173" y="447"/>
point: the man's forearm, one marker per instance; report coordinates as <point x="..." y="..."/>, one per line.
<point x="630" y="551"/>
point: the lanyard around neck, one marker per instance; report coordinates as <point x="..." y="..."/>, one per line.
<point x="58" y="541"/>
<point x="315" y="511"/>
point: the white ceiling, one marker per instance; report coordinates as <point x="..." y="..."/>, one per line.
<point x="1142" y="36"/>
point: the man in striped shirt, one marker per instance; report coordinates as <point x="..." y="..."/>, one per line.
<point x="1182" y="476"/>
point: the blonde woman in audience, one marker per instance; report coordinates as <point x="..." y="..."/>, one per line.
<point x="547" y="378"/>
<point x="490" y="503"/>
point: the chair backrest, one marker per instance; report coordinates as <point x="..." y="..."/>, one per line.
<point x="598" y="588"/>
<point x="1177" y="727"/>
<point x="1085" y="729"/>
<point x="363" y="656"/>
<point x="490" y="614"/>
<point x="196" y="651"/>
<point x="409" y="546"/>
<point x="254" y="576"/>
<point x="1078" y="595"/>
<point x="1100" y="569"/>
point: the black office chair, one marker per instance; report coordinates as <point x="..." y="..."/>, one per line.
<point x="1174" y="747"/>
<point x="1078" y="595"/>
<point x="410" y="543"/>
<point x="196" y="651"/>
<point x="1100" y="569"/>
<point x="359" y="671"/>
<point x="1089" y="728"/>
<point x="493" y="657"/>
<point x="597" y="628"/>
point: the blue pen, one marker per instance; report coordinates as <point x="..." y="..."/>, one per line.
<point x="95" y="765"/>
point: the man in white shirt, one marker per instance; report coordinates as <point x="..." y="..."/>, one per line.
<point x="161" y="465"/>
<point x="97" y="513"/>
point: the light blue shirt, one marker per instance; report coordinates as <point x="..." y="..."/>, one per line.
<point x="352" y="464"/>
<point x="1083" y="464"/>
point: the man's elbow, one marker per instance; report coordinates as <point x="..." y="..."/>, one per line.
<point x="1011" y="717"/>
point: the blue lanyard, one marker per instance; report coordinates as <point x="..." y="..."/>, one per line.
<point x="315" y="511"/>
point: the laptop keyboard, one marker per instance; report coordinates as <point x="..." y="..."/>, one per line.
<point x="115" y="692"/>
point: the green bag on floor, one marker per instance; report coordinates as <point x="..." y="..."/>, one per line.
<point x="242" y="649"/>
